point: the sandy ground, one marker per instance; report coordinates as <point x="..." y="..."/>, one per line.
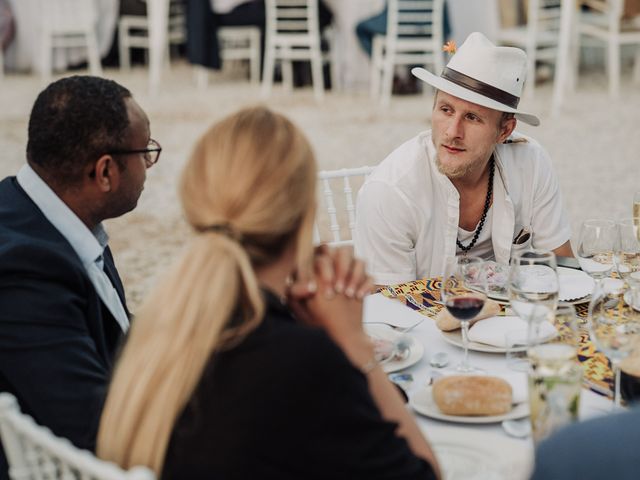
<point x="594" y="144"/>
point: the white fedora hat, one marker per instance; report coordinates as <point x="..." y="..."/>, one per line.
<point x="484" y="74"/>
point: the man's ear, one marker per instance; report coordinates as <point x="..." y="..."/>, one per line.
<point x="104" y="173"/>
<point x="506" y="128"/>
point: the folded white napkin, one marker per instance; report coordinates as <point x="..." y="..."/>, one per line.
<point x="574" y="285"/>
<point x="491" y="331"/>
<point x="519" y="386"/>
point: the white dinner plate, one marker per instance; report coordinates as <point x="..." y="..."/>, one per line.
<point x="455" y="338"/>
<point x="416" y="348"/>
<point x="472" y="454"/>
<point x="423" y="403"/>
<point x="578" y="294"/>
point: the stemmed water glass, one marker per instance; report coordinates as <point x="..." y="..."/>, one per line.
<point x="596" y="246"/>
<point x="534" y="287"/>
<point x="462" y="293"/>
<point x="614" y="324"/>
<point x="627" y="251"/>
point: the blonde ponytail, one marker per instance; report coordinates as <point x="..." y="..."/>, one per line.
<point x="254" y="175"/>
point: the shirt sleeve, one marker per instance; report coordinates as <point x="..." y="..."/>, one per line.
<point x="384" y="235"/>
<point x="549" y="220"/>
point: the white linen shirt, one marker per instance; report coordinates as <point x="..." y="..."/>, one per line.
<point x="88" y="245"/>
<point x="407" y="211"/>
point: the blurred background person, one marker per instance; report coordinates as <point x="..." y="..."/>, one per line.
<point x="224" y="375"/>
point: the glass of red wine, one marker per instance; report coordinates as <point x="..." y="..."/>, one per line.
<point x="462" y="293"/>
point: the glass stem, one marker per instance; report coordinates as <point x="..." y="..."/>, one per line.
<point x="615" y="366"/>
<point x="465" y="344"/>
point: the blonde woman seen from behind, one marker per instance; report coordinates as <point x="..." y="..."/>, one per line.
<point x="219" y="378"/>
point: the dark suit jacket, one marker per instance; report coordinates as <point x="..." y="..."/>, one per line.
<point x="57" y="339"/>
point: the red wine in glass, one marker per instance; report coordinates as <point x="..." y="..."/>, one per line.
<point x="464" y="308"/>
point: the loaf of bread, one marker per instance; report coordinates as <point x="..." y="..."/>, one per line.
<point x="472" y="395"/>
<point x="446" y="322"/>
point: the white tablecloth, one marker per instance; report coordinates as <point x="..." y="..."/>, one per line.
<point x="381" y="309"/>
<point x="24" y="51"/>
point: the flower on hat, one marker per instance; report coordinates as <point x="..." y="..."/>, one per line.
<point x="450" y="47"/>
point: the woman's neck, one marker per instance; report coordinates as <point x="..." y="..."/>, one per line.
<point x="274" y="276"/>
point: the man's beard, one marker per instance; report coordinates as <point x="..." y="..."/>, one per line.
<point x="458" y="171"/>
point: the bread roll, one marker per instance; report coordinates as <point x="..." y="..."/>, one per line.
<point x="471" y="395"/>
<point x="447" y="323"/>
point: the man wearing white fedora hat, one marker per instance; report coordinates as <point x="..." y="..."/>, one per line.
<point x="470" y="185"/>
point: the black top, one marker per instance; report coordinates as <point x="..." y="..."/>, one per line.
<point x="287" y="404"/>
<point x="57" y="338"/>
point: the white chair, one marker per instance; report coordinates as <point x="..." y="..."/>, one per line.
<point x="65" y="24"/>
<point x="236" y="43"/>
<point x="605" y="23"/>
<point x="538" y="38"/>
<point x="133" y="32"/>
<point x="292" y="33"/>
<point x="414" y="37"/>
<point x="339" y="214"/>
<point x="34" y="453"/>
<point x="241" y="43"/>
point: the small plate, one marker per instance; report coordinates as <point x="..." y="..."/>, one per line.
<point x="478" y="454"/>
<point x="423" y="403"/>
<point x="455" y="338"/>
<point x="564" y="274"/>
<point x="416" y="348"/>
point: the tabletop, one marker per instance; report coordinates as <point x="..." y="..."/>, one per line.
<point x="423" y="296"/>
<point x="515" y="455"/>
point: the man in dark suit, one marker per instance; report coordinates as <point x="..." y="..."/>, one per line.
<point x="62" y="305"/>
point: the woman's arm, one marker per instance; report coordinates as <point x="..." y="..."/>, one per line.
<point x="341" y="317"/>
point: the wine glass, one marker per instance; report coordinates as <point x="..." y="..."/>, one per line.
<point x="533" y="288"/>
<point x="462" y="293"/>
<point x="627" y="252"/>
<point x="595" y="247"/>
<point x="614" y="324"/>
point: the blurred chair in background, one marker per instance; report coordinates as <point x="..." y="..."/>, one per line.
<point x="68" y="23"/>
<point x="293" y="34"/>
<point x="414" y="37"/>
<point x="538" y="37"/>
<point x="613" y="23"/>
<point x="133" y="32"/>
<point x="219" y="31"/>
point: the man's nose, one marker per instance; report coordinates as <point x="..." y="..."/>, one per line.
<point x="454" y="127"/>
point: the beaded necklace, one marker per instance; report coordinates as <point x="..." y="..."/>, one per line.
<point x="487" y="203"/>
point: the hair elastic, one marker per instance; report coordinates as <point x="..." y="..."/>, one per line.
<point x="224" y="229"/>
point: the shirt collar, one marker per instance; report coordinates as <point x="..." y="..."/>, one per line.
<point x="87" y="244"/>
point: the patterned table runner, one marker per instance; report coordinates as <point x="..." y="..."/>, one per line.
<point x="424" y="295"/>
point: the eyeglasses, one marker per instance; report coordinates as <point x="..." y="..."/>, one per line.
<point x="151" y="153"/>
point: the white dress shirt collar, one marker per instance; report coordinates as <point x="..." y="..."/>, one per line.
<point x="88" y="245"/>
